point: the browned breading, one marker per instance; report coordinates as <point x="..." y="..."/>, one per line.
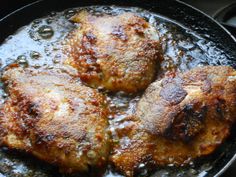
<point x="180" y="118"/>
<point x="53" y="117"/>
<point x="120" y="53"/>
<point x="177" y="107"/>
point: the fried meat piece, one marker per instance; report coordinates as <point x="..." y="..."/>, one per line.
<point x="50" y="115"/>
<point x="119" y="53"/>
<point x="178" y="119"/>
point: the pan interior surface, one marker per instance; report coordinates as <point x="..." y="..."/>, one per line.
<point x="192" y="39"/>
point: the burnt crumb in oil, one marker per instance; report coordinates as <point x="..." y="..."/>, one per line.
<point x="38" y="45"/>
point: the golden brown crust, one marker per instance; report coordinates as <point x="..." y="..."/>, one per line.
<point x="51" y="116"/>
<point x="145" y="151"/>
<point x="178" y="106"/>
<point x="205" y="129"/>
<point x="119" y="53"/>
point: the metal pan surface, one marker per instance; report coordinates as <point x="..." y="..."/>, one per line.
<point x="177" y="12"/>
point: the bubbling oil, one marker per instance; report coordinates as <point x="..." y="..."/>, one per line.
<point x="40" y="43"/>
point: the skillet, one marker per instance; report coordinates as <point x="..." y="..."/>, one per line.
<point x="177" y="11"/>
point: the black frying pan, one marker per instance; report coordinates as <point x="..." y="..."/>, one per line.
<point x="175" y="10"/>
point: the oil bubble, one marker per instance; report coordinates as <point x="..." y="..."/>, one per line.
<point x="45" y="32"/>
<point x="21" y="60"/>
<point x="49" y="20"/>
<point x="36" y="66"/>
<point x="52" y="14"/>
<point x="55" y="61"/>
<point x="70" y="13"/>
<point x="36" y="23"/>
<point x="50" y="67"/>
<point x="4" y="95"/>
<point x="35" y="55"/>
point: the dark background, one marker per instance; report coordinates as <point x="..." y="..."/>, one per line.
<point x="208" y="6"/>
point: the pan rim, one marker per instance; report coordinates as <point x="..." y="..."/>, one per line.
<point x="233" y="159"/>
<point x="206" y="15"/>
